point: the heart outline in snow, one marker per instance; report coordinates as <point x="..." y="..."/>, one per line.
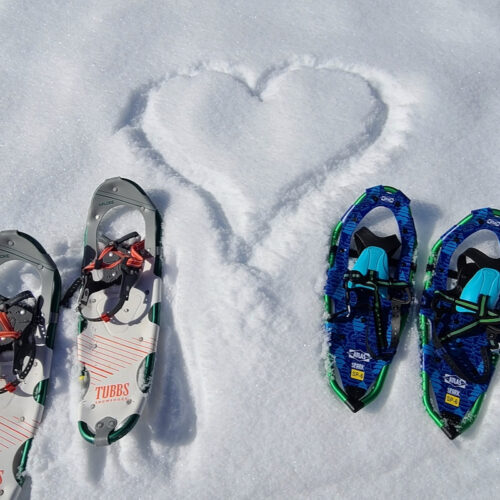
<point x="171" y="132"/>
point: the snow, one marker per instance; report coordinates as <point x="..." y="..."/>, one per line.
<point x="253" y="126"/>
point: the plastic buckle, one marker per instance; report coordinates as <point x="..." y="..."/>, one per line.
<point x="493" y="335"/>
<point x="403" y="302"/>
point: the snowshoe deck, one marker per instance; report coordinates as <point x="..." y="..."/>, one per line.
<point x="119" y="307"/>
<point x="459" y="322"/>
<point x="367" y="296"/>
<point x="27" y="325"/>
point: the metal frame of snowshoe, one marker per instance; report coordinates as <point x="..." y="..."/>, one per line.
<point x="376" y="387"/>
<point x="17" y="246"/>
<point x="477" y="220"/>
<point x="110" y="194"/>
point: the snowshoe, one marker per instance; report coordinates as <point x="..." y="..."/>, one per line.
<point x="367" y="295"/>
<point x="459" y="322"/>
<point x="27" y="330"/>
<point x="119" y="306"/>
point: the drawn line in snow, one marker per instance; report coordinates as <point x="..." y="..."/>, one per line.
<point x="234" y="200"/>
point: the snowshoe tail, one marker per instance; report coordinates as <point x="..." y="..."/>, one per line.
<point x="119" y="306"/>
<point x="367" y="295"/>
<point x="27" y="325"/>
<point x="459" y="321"/>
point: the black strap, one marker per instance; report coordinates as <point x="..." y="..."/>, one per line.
<point x="117" y="243"/>
<point x="482" y="317"/>
<point x="364" y="238"/>
<point x="128" y="278"/>
<point x="24" y="319"/>
<point x="372" y="284"/>
<point x="5" y="302"/>
<point x="122" y="275"/>
<point x="65" y="301"/>
<point x="479" y="258"/>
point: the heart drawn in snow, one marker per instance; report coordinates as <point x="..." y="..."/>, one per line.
<point x="255" y="149"/>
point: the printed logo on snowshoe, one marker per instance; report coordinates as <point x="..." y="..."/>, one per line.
<point x="357" y="374"/>
<point x="456" y="381"/>
<point x="4" y="256"/>
<point x="452" y="400"/>
<point x="104" y="203"/>
<point x="493" y="222"/>
<point x="388" y="199"/>
<point x="112" y="391"/>
<point x="360" y="355"/>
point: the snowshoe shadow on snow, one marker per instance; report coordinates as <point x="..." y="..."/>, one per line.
<point x="368" y="295"/>
<point x="459" y="322"/>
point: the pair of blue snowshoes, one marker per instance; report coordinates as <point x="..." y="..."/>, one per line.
<point x="369" y="292"/>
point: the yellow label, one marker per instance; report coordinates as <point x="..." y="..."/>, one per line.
<point x="357" y="374"/>
<point x="452" y="400"/>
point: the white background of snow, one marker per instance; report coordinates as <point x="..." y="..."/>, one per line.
<point x="340" y="95"/>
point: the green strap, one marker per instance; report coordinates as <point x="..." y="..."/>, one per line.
<point x="468" y="305"/>
<point x="373" y="283"/>
<point x="484" y="315"/>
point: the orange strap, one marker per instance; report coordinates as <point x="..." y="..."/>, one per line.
<point x="134" y="260"/>
<point x="8" y="332"/>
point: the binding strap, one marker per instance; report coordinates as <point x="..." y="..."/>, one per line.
<point x="373" y="285"/>
<point x="482" y="317"/>
<point x="18" y="322"/>
<point x="117" y="264"/>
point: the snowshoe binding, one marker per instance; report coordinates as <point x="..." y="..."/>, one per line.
<point x="119" y="306"/>
<point x="27" y="330"/>
<point x="459" y="324"/>
<point x="367" y="295"/>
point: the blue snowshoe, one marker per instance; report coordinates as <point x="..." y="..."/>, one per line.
<point x="459" y="323"/>
<point x="368" y="295"/>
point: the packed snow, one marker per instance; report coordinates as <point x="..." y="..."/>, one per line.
<point x="252" y="126"/>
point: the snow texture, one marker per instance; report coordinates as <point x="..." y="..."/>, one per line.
<point x="253" y="126"/>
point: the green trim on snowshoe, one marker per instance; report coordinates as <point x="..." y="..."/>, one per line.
<point x="465" y="220"/>
<point x="40" y="391"/>
<point x="424" y="338"/>
<point x="331" y="260"/>
<point x="19" y="475"/>
<point x="377" y="385"/>
<point x="42" y="263"/>
<point x="375" y="388"/>
<point x="154" y="313"/>
<point x="471" y="416"/>
<point x="149" y="364"/>
<point x="153" y="241"/>
<point x="426" y="386"/>
<point x="360" y="199"/>
<point x="89" y="436"/>
<point x="368" y="397"/>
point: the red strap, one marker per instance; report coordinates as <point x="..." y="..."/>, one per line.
<point x="10" y="387"/>
<point x="8" y="332"/>
<point x="134" y="260"/>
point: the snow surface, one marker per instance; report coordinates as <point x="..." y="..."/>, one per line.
<point x="253" y="126"/>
